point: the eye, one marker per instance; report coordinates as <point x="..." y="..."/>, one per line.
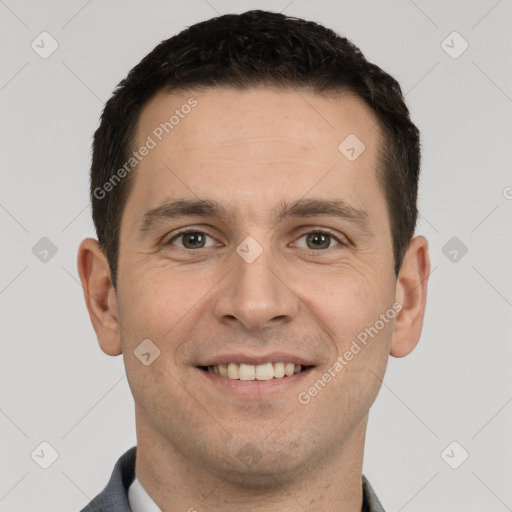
<point x="194" y="239"/>
<point x="190" y="239"/>
<point x="316" y="240"/>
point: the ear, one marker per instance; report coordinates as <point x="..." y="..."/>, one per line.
<point x="100" y="295"/>
<point x="411" y="293"/>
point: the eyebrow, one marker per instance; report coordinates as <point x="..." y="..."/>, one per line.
<point x="180" y="208"/>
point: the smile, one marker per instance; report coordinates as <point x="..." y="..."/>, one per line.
<point x="265" y="371"/>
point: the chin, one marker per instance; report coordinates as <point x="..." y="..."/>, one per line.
<point x="260" y="465"/>
<point x="267" y="473"/>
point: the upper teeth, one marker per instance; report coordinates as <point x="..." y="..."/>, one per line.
<point x="265" y="371"/>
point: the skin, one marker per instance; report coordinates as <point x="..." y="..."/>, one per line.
<point x="249" y="150"/>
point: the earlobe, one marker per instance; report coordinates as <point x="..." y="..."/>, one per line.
<point x="411" y="293"/>
<point x="99" y="295"/>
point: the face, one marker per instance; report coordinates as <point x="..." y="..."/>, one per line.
<point x="277" y="257"/>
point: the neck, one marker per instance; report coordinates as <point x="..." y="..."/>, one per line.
<point x="176" y="483"/>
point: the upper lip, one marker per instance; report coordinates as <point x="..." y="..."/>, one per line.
<point x="256" y="359"/>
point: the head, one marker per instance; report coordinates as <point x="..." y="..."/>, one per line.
<point x="293" y="163"/>
<point x="243" y="52"/>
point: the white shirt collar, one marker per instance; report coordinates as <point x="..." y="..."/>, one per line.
<point x="139" y="499"/>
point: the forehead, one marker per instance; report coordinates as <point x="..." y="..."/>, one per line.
<point x="228" y="145"/>
<point x="225" y="118"/>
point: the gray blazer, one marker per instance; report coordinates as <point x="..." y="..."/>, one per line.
<point x="114" y="498"/>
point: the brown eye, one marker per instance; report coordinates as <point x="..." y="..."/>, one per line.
<point x="190" y="239"/>
<point x="319" y="240"/>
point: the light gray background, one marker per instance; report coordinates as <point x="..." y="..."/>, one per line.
<point x="57" y="385"/>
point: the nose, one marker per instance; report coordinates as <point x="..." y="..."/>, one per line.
<point x="255" y="294"/>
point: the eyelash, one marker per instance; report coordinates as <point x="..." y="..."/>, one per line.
<point x="315" y="231"/>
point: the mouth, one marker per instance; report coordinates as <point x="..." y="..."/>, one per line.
<point x="256" y="372"/>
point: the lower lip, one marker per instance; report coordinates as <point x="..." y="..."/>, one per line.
<point x="256" y="388"/>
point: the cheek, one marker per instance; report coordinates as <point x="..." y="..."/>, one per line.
<point x="348" y="299"/>
<point x="165" y="306"/>
<point x="352" y="307"/>
<point x="158" y="298"/>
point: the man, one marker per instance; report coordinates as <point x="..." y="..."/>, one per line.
<point x="254" y="188"/>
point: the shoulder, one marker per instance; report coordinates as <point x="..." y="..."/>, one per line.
<point x="114" y="498"/>
<point x="370" y="501"/>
